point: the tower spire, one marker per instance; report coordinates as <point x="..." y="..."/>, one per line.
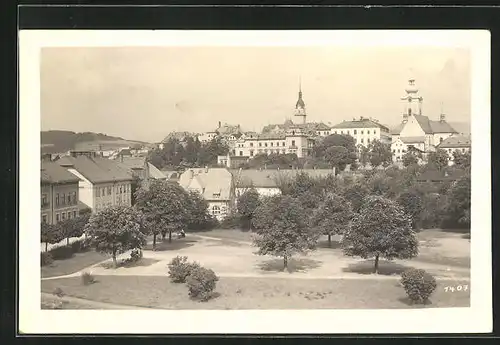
<point x="442" y="116"/>
<point x="300" y="106"/>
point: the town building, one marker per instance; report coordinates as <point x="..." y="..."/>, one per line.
<point x="455" y="143"/>
<point x="268" y="182"/>
<point x="59" y="193"/>
<point x="364" y="131"/>
<point x="140" y="168"/>
<point x="214" y="184"/>
<point x="417" y="130"/>
<point x="103" y="182"/>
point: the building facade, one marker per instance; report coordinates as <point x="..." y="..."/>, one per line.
<point x="417" y="131"/>
<point x="214" y="185"/>
<point x="455" y="143"/>
<point x="364" y="131"/>
<point x="103" y="182"/>
<point x="59" y="193"/>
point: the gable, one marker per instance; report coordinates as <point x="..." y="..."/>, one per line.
<point x="412" y="128"/>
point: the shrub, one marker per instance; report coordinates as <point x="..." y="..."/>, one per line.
<point x="61" y="253"/>
<point x="58" y="292"/>
<point x="201" y="283"/>
<point x="179" y="269"/>
<point x="233" y="221"/>
<point x="418" y="284"/>
<point x="46" y="258"/>
<point x="77" y="246"/>
<point x="87" y="278"/>
<point x="135" y="255"/>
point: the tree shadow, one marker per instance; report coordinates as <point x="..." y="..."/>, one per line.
<point x="386" y="268"/>
<point x="406" y="300"/>
<point x="176" y="244"/>
<point x="144" y="262"/>
<point x="294" y="265"/>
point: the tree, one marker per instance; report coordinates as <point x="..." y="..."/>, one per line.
<point x="333" y="216"/>
<point x="49" y="234"/>
<point x="282" y="228"/>
<point x="355" y="193"/>
<point x="462" y="159"/>
<point x="364" y="156"/>
<point x="459" y="202"/>
<point x="413" y="204"/>
<point x="381" y="230"/>
<point x="379" y="154"/>
<point x="438" y="159"/>
<point x="409" y="158"/>
<point x="247" y="204"/>
<point x="198" y="216"/>
<point x="165" y="206"/>
<point x="339" y="150"/>
<point x="115" y="230"/>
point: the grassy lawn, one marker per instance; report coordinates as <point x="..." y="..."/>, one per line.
<point x="255" y="293"/>
<point x="74" y="264"/>
<point x="55" y="303"/>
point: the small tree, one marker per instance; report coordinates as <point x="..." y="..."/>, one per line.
<point x="48" y="234"/>
<point x="413" y="204"/>
<point x="115" y="230"/>
<point x="333" y="216"/>
<point x="282" y="227"/>
<point x="438" y="159"/>
<point x="247" y="204"/>
<point x="379" y="154"/>
<point x="462" y="160"/>
<point x="459" y="202"/>
<point x="381" y="230"/>
<point x="409" y="158"/>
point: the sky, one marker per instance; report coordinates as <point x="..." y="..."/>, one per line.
<point x="143" y="93"/>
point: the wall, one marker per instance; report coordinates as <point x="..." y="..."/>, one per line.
<point x="223" y="209"/>
<point x="412" y="128"/>
<point x="57" y="208"/>
<point x="86" y="192"/>
<point x="363" y="135"/>
<point x="112" y="194"/>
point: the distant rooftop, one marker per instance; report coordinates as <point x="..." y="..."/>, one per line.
<point x="96" y="169"/>
<point x="455" y="141"/>
<point x="51" y="172"/>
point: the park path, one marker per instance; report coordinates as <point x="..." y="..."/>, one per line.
<point x="90" y="303"/>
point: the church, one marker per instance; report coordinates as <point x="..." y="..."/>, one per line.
<point x="416" y="131"/>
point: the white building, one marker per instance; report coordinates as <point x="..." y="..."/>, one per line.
<point x="214" y="184"/>
<point x="455" y="143"/>
<point x="364" y="131"/>
<point x="103" y="183"/>
<point x="416" y="130"/>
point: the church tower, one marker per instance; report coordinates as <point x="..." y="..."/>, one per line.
<point x="412" y="100"/>
<point x="300" y="106"/>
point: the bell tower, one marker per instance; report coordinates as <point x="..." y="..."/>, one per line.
<point x="300" y="106"/>
<point x="412" y="100"/>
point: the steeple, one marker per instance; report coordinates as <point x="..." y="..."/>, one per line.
<point x="442" y="115"/>
<point x="412" y="100"/>
<point x="300" y="106"/>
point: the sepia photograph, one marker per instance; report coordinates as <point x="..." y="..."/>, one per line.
<point x="255" y="175"/>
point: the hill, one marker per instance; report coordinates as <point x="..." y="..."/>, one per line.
<point x="61" y="141"/>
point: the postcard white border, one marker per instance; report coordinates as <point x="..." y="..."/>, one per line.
<point x="476" y="319"/>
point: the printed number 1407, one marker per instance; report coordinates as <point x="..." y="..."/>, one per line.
<point x="456" y="288"/>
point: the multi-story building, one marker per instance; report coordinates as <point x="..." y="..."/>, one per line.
<point x="364" y="131"/>
<point x="59" y="193"/>
<point x="103" y="182"/>
<point x="416" y="130"/>
<point x="214" y="184"/>
<point x="455" y="143"/>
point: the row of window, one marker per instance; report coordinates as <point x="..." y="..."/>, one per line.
<point x="355" y="132"/>
<point x="216" y="210"/>
<point x="61" y="199"/>
<point x="60" y="216"/>
<point x="119" y="189"/>
<point x="119" y="201"/>
<point x="367" y="140"/>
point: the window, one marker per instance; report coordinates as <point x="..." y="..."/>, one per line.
<point x="265" y="144"/>
<point x="69" y="215"/>
<point x="74" y="214"/>
<point x="368" y="132"/>
<point x="355" y="132"/>
<point x="361" y="132"/>
<point x="69" y="199"/>
<point x="394" y="151"/>
<point x="361" y="140"/>
<point x="215" y="210"/>
<point x="341" y="132"/>
<point x="272" y="144"/>
<point x="374" y="131"/>
<point x="57" y="217"/>
<point x="109" y="190"/>
<point x="74" y="198"/>
<point x="441" y="139"/>
<point x="251" y="144"/>
<point x="368" y="140"/>
<point x="97" y="192"/>
<point x="44" y="218"/>
<point x="121" y="190"/>
<point x="463" y="150"/>
<point x="251" y="153"/>
<point x="347" y="132"/>
<point x="63" y="216"/>
<point x="241" y="153"/>
<point x="63" y="199"/>
<point x="293" y="142"/>
<point x="283" y="143"/>
<point x="57" y="199"/>
<point x="44" y="200"/>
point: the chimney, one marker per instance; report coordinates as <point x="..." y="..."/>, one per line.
<point x="219" y="124"/>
